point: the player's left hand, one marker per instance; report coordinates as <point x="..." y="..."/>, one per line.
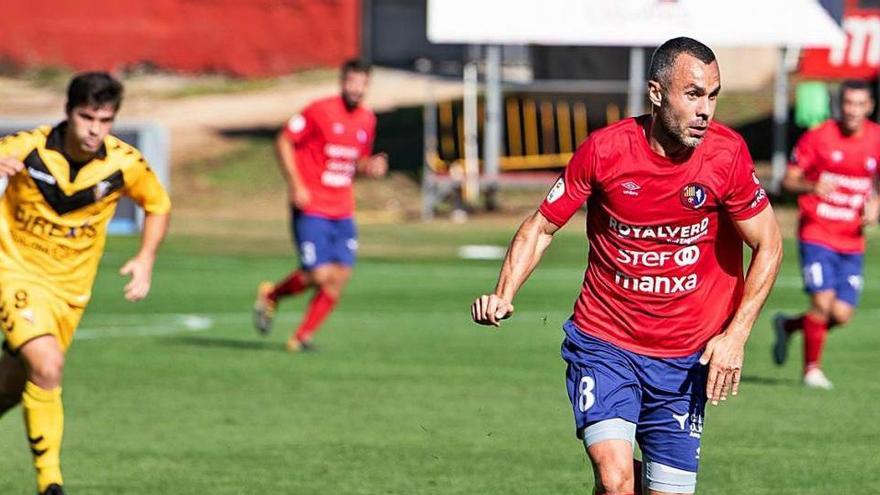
<point x="376" y="165"/>
<point x="141" y="271"/>
<point x="724" y="356"/>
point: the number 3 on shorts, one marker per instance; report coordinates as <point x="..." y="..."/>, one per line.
<point x="585" y="393"/>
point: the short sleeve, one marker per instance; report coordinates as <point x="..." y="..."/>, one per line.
<point x="573" y="187"/>
<point x="369" y="138"/>
<point x="804" y="154"/>
<point x="17" y="145"/>
<point x="300" y="126"/>
<point x="144" y="188"/>
<point x="745" y="197"/>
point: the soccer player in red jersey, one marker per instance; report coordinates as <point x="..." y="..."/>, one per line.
<point x="320" y="151"/>
<point x="664" y="312"/>
<point x="834" y="172"/>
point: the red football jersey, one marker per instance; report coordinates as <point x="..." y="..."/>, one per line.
<point x="665" y="267"/>
<point x="850" y="162"/>
<point x="328" y="140"/>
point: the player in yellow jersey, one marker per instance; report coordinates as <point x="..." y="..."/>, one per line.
<point x="63" y="186"/>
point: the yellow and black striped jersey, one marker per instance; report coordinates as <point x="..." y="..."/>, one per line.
<point x="54" y="214"/>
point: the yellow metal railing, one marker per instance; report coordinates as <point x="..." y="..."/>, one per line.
<point x="539" y="132"/>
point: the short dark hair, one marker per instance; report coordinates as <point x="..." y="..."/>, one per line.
<point x="355" y="65"/>
<point x="855" y="84"/>
<point x="95" y="89"/>
<point x="664" y="56"/>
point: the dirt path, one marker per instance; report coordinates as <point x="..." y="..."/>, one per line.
<point x="195" y="121"/>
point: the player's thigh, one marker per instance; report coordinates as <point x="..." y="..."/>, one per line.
<point x="612" y="463"/>
<point x="671" y="423"/>
<point x="323" y="275"/>
<point x="822" y="301"/>
<point x="841" y="312"/>
<point x="29" y="311"/>
<point x="43" y="359"/>
<point x="313" y="238"/>
<point x="341" y="274"/>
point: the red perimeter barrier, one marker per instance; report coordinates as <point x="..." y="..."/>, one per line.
<point x="239" y="37"/>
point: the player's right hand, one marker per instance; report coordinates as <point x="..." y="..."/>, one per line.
<point x="824" y="187"/>
<point x="300" y="198"/>
<point x="10" y="166"/>
<point x="490" y="310"/>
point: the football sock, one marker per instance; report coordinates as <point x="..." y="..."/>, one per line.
<point x="295" y="283"/>
<point x="815" y="330"/>
<point x="792" y="325"/>
<point x="320" y="306"/>
<point x="44" y="422"/>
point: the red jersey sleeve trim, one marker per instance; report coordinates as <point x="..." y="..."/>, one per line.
<point x="552" y="217"/>
<point x="751" y="212"/>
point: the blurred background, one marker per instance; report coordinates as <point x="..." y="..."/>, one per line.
<point x="479" y="105"/>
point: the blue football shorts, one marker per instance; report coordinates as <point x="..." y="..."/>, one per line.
<point x="322" y="240"/>
<point x="826" y="269"/>
<point x="658" y="402"/>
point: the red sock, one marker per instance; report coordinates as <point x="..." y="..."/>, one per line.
<point x="815" y="330"/>
<point x="792" y="325"/>
<point x="320" y="306"/>
<point x="295" y="283"/>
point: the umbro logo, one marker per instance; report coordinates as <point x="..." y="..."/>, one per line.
<point x="630" y="188"/>
<point x="681" y="418"/>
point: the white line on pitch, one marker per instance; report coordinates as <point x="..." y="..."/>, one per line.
<point x="167" y="324"/>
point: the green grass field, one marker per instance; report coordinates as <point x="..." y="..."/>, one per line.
<point x="177" y="394"/>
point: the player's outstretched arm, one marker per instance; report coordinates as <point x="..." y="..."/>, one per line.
<point x="724" y="352"/>
<point x="141" y="266"/>
<point x="298" y="193"/>
<point x="525" y="251"/>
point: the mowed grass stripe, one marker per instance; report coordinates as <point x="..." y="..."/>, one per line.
<point x="406" y="396"/>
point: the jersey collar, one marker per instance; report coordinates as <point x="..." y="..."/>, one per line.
<point x="55" y="142"/>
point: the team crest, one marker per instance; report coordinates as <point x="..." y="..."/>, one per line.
<point x="693" y="196"/>
<point x="871" y="164"/>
